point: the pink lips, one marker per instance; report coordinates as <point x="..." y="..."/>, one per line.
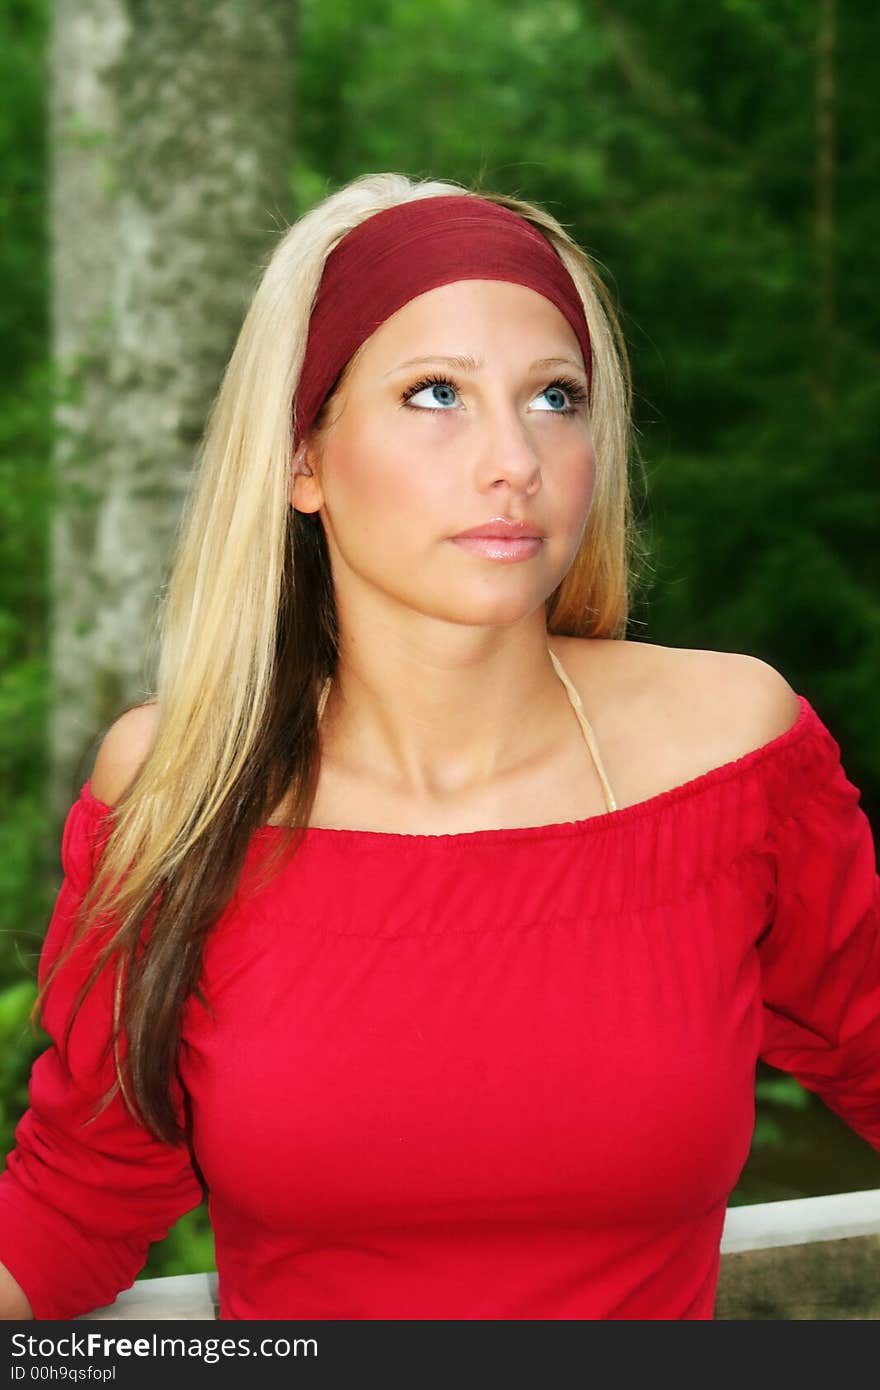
<point x="501" y="539"/>
<point x="496" y="548"/>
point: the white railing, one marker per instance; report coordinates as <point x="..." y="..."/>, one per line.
<point x="801" y="1221"/>
<point x="192" y="1296"/>
<point x="759" y="1226"/>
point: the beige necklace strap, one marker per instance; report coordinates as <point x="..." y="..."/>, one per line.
<point x="584" y="722"/>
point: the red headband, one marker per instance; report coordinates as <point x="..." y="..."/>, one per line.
<point x="403" y="251"/>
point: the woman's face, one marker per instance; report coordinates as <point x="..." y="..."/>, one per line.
<point x="403" y="466"/>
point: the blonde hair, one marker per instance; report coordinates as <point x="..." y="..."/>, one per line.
<point x="247" y="637"/>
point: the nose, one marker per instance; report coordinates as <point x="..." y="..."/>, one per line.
<point x="508" y="454"/>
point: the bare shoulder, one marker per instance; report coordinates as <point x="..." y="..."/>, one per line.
<point x="667" y="714"/>
<point x="737" y="701"/>
<point x="123" y="751"/>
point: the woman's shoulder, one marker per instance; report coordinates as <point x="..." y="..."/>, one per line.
<point x="739" y="702"/>
<point x="665" y="715"/>
<point x="123" y="751"/>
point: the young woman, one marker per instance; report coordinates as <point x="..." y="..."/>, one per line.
<point x="428" y="924"/>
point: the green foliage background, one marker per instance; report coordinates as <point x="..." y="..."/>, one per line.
<point x="679" y="144"/>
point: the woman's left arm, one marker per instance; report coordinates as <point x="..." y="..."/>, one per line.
<point x="820" y="956"/>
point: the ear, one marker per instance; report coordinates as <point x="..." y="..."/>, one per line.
<point x="305" y="490"/>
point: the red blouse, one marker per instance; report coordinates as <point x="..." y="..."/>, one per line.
<point x="505" y="1074"/>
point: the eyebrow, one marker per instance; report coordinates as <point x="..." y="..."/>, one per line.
<point x="470" y="364"/>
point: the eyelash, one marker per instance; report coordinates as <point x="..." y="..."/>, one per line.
<point x="572" y="388"/>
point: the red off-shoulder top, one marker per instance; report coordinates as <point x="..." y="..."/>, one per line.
<point x="504" y="1074"/>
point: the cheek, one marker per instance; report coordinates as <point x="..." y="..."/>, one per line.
<point x="586" y="485"/>
<point x="575" y="471"/>
<point x="377" y="486"/>
<point x="416" y="482"/>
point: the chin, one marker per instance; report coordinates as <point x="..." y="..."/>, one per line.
<point x="488" y="610"/>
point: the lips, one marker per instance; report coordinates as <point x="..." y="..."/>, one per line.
<point x="500" y="529"/>
<point x="500" y="547"/>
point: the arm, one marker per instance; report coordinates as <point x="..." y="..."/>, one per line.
<point x="13" y="1301"/>
<point x="820" y="955"/>
<point x="82" y="1197"/>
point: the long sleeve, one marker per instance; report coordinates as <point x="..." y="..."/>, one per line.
<point x="820" y="957"/>
<point x="81" y="1203"/>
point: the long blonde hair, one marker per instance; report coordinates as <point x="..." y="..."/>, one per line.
<point x="248" y="636"/>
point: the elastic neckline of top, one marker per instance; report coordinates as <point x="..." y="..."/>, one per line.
<point x="806" y="722"/>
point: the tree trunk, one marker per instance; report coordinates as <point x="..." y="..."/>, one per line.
<point x="171" y="131"/>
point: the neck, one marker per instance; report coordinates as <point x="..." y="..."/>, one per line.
<point x="433" y="727"/>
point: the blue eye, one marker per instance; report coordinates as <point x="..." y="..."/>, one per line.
<point x="557" y="392"/>
<point x="441" y="388"/>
